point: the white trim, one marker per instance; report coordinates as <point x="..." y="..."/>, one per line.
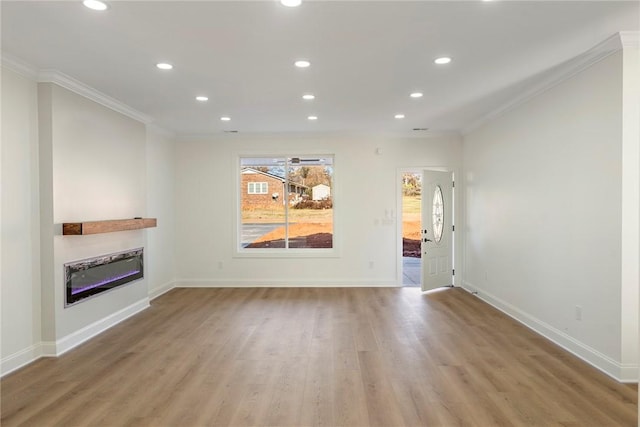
<point x="22" y="67"/>
<point x="19" y="66"/>
<point x="559" y="74"/>
<point x="67" y="82"/>
<point x="622" y="373"/>
<point x="379" y="135"/>
<point x="74" y="339"/>
<point x="19" y="359"/>
<point x="54" y="349"/>
<point x="628" y="373"/>
<point x="456" y="251"/>
<point x="49" y="349"/>
<point x="630" y="39"/>
<point x="285" y="283"/>
<point x="282" y="253"/>
<point x="264" y="185"/>
<point x="630" y="188"/>
<point x="161" y="290"/>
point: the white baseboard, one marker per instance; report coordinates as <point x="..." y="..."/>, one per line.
<point x="284" y="283"/>
<point x="160" y="290"/>
<point x="19" y="359"/>
<point x="628" y="374"/>
<point x="75" y="339"/>
<point x="61" y="346"/>
<point x="49" y="349"/>
<point x="602" y="362"/>
<point x="57" y="348"/>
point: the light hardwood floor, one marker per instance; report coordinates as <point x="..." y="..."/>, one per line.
<point x="316" y="357"/>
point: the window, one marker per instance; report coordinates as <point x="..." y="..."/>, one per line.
<point x="288" y="203"/>
<point x="258" y="188"/>
<point x="438" y="214"/>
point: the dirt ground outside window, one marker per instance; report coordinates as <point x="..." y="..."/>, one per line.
<point x="313" y="228"/>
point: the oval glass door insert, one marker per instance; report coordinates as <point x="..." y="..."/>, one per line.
<point x="438" y="214"/>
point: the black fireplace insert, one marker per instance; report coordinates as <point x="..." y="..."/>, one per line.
<point x="89" y="277"/>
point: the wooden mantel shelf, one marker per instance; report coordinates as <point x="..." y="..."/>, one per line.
<point x="108" y="226"/>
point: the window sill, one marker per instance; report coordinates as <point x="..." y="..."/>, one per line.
<point x="286" y="253"/>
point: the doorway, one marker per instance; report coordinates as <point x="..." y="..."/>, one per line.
<point x="411" y="209"/>
<point x="426" y="204"/>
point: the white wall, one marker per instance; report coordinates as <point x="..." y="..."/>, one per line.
<point x="98" y="172"/>
<point x="543" y="205"/>
<point x="366" y="186"/>
<point x="67" y="158"/>
<point x="160" y="249"/>
<point x="545" y="185"/>
<point x="630" y="197"/>
<point x="20" y="277"/>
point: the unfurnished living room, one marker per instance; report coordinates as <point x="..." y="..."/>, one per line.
<point x="210" y="210"/>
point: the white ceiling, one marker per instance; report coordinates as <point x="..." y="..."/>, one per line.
<point x="367" y="57"/>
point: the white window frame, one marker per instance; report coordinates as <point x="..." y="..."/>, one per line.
<point x="240" y="252"/>
<point x="263" y="187"/>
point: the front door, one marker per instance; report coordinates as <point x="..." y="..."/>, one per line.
<point x="437" y="230"/>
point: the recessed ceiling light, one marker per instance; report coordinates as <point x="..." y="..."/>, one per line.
<point x="416" y="95"/>
<point x="95" y="5"/>
<point x="399" y="116"/>
<point x="308" y="96"/>
<point x="164" y="66"/>
<point x="202" y="98"/>
<point x="312" y="117"/>
<point x="442" y="60"/>
<point x="302" y="63"/>
<point x="225" y="118"/>
<point x="291" y="3"/>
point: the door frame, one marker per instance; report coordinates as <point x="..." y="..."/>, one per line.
<point x="457" y="220"/>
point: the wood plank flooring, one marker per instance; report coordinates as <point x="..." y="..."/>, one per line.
<point x="316" y="357"/>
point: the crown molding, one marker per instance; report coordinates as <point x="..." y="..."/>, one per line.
<point x="630" y="39"/>
<point x="67" y="82"/>
<point x="371" y="135"/>
<point x="19" y="66"/>
<point x="559" y="74"/>
<point x="31" y="72"/>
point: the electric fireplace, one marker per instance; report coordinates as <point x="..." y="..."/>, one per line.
<point x="89" y="277"/>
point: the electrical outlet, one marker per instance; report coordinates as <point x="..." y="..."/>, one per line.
<point x="220" y="265"/>
<point x="578" y="312"/>
<point x="370" y="264"/>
